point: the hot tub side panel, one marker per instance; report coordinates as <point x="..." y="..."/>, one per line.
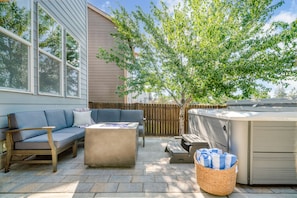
<point x="212" y="130"/>
<point x="273" y="152"/>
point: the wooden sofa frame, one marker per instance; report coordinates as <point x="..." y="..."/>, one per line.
<point x="53" y="151"/>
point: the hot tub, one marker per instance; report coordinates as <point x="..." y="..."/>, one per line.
<point x="265" y="142"/>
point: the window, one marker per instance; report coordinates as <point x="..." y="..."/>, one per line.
<point x="73" y="66"/>
<point x="15" y="45"/>
<point x="58" y="51"/>
<point x="50" y="54"/>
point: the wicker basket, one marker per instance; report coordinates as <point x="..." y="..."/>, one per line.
<point x="216" y="182"/>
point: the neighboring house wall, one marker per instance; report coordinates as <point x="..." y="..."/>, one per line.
<point x="72" y="16"/>
<point x="103" y="77"/>
<point x="144" y="97"/>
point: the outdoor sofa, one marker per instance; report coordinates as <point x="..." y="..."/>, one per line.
<point x="50" y="132"/>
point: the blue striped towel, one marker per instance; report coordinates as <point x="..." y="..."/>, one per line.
<point x="218" y="161"/>
<point x="230" y="160"/>
<point x="215" y="158"/>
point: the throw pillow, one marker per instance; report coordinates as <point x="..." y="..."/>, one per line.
<point x="82" y="118"/>
<point x="83" y="110"/>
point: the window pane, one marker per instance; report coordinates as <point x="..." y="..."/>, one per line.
<point x="14" y="63"/>
<point x="49" y="75"/>
<point x="50" y="34"/>
<point x="72" y="82"/>
<point x="15" y="16"/>
<point x="72" y="58"/>
<point x="72" y="47"/>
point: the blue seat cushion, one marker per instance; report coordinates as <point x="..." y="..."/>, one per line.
<point x="41" y="141"/>
<point x="56" y="118"/>
<point x="78" y="132"/>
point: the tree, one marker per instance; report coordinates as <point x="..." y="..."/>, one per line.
<point x="203" y="51"/>
<point x="280" y="92"/>
<point x="293" y="93"/>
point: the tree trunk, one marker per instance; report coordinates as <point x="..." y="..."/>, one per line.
<point x="182" y="112"/>
<point x="182" y="119"/>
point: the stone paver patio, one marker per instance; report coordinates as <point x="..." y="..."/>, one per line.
<point x="152" y="176"/>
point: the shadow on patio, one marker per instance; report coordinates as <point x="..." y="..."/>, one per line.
<point x="152" y="176"/>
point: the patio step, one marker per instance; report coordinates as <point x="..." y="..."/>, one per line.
<point x="177" y="153"/>
<point x="175" y="147"/>
<point x="183" y="150"/>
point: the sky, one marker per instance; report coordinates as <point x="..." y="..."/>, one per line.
<point x="288" y="10"/>
<point x="286" y="13"/>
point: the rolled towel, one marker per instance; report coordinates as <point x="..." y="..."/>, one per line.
<point x="203" y="157"/>
<point x="230" y="160"/>
<point x="202" y="150"/>
<point x="216" y="150"/>
<point x="218" y="161"/>
<point x="205" y="160"/>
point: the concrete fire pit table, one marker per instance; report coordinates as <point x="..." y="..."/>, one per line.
<point x="111" y="144"/>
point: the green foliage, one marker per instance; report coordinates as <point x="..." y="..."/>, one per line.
<point x="50" y="34"/>
<point x="16" y="19"/>
<point x="293" y="94"/>
<point x="205" y="51"/>
<point x="280" y="92"/>
<point x="72" y="51"/>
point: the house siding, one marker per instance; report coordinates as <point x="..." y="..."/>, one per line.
<point x="103" y="77"/>
<point x="72" y="15"/>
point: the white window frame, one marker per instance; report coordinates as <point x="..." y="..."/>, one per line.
<point x="62" y="81"/>
<point x="30" y="58"/>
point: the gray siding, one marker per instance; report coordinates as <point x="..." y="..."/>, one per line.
<point x="72" y="15"/>
<point x="103" y="77"/>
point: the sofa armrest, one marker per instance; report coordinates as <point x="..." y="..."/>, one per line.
<point x="10" y="142"/>
<point x="28" y="129"/>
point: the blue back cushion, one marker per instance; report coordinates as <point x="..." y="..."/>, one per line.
<point x="69" y="117"/>
<point x="28" y="119"/>
<point x="56" y="118"/>
<point x="132" y="116"/>
<point x="94" y="115"/>
<point x="109" y="115"/>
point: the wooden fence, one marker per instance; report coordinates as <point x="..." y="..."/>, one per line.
<point x="161" y="119"/>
